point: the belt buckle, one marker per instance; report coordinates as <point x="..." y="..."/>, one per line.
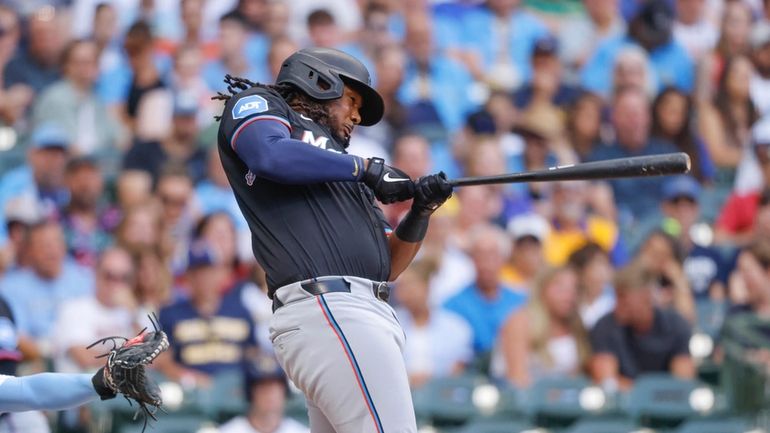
<point x="381" y="291"/>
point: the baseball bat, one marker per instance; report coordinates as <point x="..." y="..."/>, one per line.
<point x="637" y="166"/>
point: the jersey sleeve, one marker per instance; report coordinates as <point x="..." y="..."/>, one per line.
<point x="252" y="105"/>
<point x="45" y="391"/>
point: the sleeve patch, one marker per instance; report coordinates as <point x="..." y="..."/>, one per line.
<point x="249" y="105"/>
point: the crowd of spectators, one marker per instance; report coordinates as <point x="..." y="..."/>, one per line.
<point x="114" y="203"/>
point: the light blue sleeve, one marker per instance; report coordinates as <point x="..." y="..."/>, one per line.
<point x="46" y="391"/>
<point x="596" y="75"/>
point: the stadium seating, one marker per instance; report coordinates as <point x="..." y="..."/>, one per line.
<point x="661" y="400"/>
<point x="603" y="425"/>
<point x="555" y="401"/>
<point x="717" y="425"/>
<point x="446" y="401"/>
<point x="497" y="426"/>
<point x="173" y="423"/>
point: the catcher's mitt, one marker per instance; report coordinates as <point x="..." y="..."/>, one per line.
<point x="124" y="372"/>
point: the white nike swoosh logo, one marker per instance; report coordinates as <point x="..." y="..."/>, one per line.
<point x="387" y="178"/>
<point x="306" y="118"/>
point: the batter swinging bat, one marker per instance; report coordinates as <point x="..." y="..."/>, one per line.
<point x="638" y="166"/>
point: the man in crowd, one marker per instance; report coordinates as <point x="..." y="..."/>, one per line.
<point x="487" y="302"/>
<point x="638" y="337"/>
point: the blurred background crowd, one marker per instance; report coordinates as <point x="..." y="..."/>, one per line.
<point x="114" y="204"/>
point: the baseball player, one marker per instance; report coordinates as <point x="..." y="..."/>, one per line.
<point x="322" y="239"/>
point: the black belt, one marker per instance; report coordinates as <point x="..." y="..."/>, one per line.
<point x="381" y="290"/>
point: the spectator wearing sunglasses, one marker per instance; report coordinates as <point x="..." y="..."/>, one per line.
<point x="109" y="311"/>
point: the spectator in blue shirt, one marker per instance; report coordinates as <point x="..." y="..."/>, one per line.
<point x="210" y="331"/>
<point x="651" y="28"/>
<point x="503" y="35"/>
<point x="432" y="79"/>
<point x="214" y="194"/>
<point x="35" y="292"/>
<point x="486" y="303"/>
<point x="37" y="65"/>
<point x="234" y="57"/>
<point x="546" y="82"/>
<point x="636" y="197"/>
<point x="41" y="180"/>
<point x="705" y="267"/>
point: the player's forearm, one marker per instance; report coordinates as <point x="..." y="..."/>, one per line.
<point x="401" y="254"/>
<point x="270" y="153"/>
<point x="46" y="391"/>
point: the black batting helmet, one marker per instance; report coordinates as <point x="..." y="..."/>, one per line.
<point x="323" y="72"/>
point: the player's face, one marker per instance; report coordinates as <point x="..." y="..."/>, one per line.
<point x="344" y="114"/>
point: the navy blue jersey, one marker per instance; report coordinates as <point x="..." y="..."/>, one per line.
<point x="209" y="344"/>
<point x="302" y="231"/>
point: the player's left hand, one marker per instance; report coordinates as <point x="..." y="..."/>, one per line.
<point x="430" y="192"/>
<point x="388" y="183"/>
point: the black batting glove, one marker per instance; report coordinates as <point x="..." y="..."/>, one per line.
<point x="430" y="192"/>
<point x="389" y="184"/>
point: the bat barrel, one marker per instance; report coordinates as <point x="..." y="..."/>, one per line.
<point x="637" y="166"/>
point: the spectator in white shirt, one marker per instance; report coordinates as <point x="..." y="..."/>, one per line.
<point x="438" y="342"/>
<point x="266" y="390"/>
<point x="108" y="312"/>
<point x="692" y="29"/>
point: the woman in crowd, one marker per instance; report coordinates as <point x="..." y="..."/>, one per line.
<point x="584" y="124"/>
<point x="733" y="41"/>
<point x="594" y="272"/>
<point x="725" y="122"/>
<point x="547" y="337"/>
<point x="672" y="116"/>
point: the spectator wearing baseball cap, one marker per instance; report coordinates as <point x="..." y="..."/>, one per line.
<point x="528" y="232"/>
<point x="650" y="28"/>
<point x="42" y="177"/>
<point x="180" y="146"/>
<point x="210" y="331"/>
<point x="547" y="83"/>
<point x="703" y="265"/>
<point x="267" y="390"/>
<point x="735" y="224"/>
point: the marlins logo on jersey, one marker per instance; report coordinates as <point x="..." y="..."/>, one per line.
<point x="252" y="104"/>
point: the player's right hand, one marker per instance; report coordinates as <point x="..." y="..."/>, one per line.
<point x="431" y="192"/>
<point x="389" y="184"/>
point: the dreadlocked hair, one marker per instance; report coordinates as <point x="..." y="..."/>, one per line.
<point x="298" y="100"/>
